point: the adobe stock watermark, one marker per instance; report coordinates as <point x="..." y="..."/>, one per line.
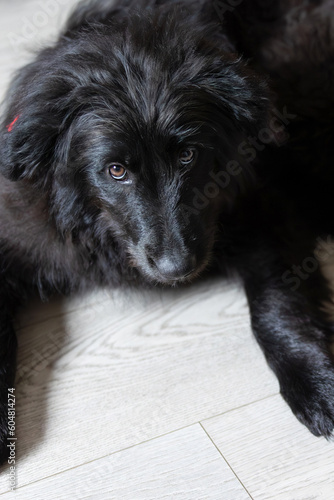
<point x="276" y="128"/>
<point x="30" y="27"/>
<point x="248" y="150"/>
<point x="296" y="274"/>
<point x="11" y="439"/>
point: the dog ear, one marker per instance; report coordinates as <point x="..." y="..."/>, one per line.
<point x="235" y="103"/>
<point x="32" y="125"/>
<point x="235" y="94"/>
<point x="240" y="98"/>
<point x="27" y="145"/>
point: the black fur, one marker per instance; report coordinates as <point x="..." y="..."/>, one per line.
<point x="146" y="86"/>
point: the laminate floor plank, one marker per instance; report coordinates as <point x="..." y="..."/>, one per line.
<point x="273" y="455"/>
<point x="161" y="469"/>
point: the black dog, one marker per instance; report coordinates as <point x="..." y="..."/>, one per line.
<point x="127" y="153"/>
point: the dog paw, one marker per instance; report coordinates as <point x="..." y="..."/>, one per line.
<point x="310" y="395"/>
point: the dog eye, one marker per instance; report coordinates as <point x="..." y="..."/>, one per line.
<point x="187" y="156"/>
<point x="117" y="172"/>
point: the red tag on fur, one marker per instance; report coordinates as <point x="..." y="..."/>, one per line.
<point x="11" y="125"/>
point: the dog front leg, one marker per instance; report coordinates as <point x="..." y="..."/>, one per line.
<point x="294" y="333"/>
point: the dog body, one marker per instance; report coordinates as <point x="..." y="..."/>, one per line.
<point x="124" y="158"/>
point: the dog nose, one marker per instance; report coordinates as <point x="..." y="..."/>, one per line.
<point x="172" y="268"/>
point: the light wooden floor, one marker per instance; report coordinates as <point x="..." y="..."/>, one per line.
<point x="146" y="396"/>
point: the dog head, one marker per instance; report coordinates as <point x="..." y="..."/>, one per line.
<point x="131" y="129"/>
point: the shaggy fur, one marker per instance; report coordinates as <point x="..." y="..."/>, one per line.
<point x="130" y="150"/>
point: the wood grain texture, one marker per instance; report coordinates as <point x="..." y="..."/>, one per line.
<point x="274" y="456"/>
<point x="122" y="370"/>
<point x="184" y="465"/>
